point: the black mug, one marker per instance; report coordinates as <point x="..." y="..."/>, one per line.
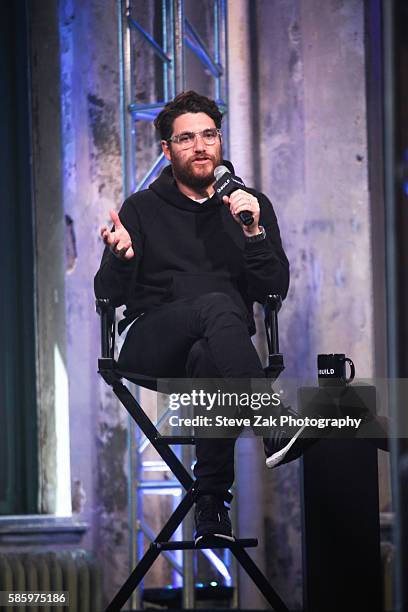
<point x="331" y="369"/>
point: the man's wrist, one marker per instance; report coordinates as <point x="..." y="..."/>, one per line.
<point x="251" y="230"/>
<point x="255" y="235"/>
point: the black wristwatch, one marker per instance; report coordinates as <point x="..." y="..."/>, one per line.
<point x="258" y="237"/>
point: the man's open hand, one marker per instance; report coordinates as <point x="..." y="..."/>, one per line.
<point x="118" y="241"/>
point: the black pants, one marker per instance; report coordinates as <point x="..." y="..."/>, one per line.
<point x="204" y="337"/>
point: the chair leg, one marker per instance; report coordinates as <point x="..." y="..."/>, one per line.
<point x="258" y="579"/>
<point x="152" y="553"/>
<point x="134" y="580"/>
<point x="150" y="431"/>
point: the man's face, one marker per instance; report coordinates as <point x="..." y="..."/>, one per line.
<point x="194" y="167"/>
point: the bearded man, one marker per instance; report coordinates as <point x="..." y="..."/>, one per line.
<point x="189" y="270"/>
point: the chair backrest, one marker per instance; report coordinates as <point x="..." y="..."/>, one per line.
<point x="275" y="359"/>
<point x="106" y="311"/>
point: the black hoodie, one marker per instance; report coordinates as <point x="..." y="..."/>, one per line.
<point x="184" y="249"/>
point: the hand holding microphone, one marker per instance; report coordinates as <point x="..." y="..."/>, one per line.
<point x="244" y="206"/>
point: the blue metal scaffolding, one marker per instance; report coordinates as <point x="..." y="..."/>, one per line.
<point x="167" y="40"/>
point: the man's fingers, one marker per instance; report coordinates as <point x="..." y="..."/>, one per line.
<point x="129" y="253"/>
<point x="124" y="253"/>
<point x="118" y="240"/>
<point x="226" y="200"/>
<point x="109" y="238"/>
<point x="241" y="207"/>
<point x="122" y="246"/>
<point x="115" y="218"/>
<point x="112" y="240"/>
<point x="242" y="201"/>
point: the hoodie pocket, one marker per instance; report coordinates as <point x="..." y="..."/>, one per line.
<point x="193" y="285"/>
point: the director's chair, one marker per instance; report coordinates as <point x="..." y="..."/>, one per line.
<point x="108" y="369"/>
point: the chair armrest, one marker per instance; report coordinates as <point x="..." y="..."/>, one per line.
<point x="275" y="359"/>
<point x="106" y="311"/>
<point x="271" y="308"/>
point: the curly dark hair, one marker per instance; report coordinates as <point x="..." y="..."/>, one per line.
<point x="185" y="102"/>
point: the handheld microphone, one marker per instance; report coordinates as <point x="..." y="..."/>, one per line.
<point x="225" y="184"/>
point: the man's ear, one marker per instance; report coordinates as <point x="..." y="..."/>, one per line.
<point x="166" y="149"/>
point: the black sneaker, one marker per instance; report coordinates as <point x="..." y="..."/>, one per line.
<point x="212" y="519"/>
<point x="284" y="445"/>
<point x="281" y="447"/>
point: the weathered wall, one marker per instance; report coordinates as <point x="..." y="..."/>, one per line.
<point x="92" y="184"/>
<point x="313" y="165"/>
<point x="53" y="451"/>
<point x="249" y="453"/>
<point x="306" y="107"/>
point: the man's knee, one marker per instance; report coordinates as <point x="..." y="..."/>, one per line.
<point x="200" y="363"/>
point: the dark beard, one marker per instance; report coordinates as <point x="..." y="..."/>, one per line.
<point x="184" y="174"/>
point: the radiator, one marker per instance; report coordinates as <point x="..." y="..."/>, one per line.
<point x="72" y="571"/>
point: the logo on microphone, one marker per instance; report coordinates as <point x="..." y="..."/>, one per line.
<point x="238" y="182"/>
<point x="225" y="183"/>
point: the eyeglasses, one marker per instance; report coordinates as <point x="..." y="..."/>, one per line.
<point x="186" y="139"/>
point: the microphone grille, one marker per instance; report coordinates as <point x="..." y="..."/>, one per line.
<point x="219" y="171"/>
